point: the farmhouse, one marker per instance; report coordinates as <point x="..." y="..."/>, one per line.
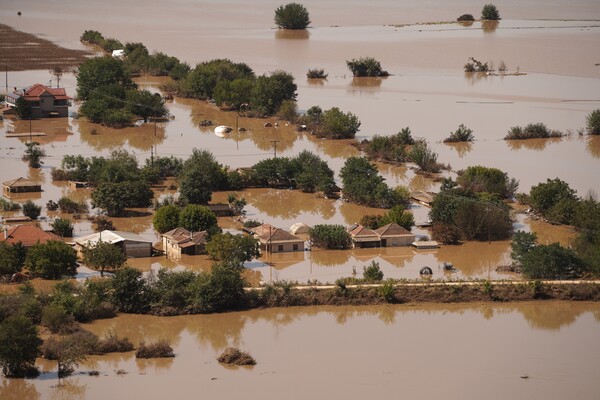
<point x="275" y="240"/>
<point x="20" y="185"/>
<point x="181" y="241"/>
<point x="27" y="235"/>
<point x="44" y="101"/>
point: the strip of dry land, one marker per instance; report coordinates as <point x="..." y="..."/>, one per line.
<point x="20" y="51"/>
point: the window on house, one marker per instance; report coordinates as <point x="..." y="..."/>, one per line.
<point x="280" y="247"/>
<point x="295" y="247"/>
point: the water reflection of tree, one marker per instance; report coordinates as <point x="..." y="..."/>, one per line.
<point x="329" y="258"/>
<point x="461" y="148"/>
<point x="550" y="316"/>
<point x="157" y="364"/>
<point x="593" y="146"/>
<point x="17" y="389"/>
<point x="69" y="389"/>
<point x="489" y="26"/>
<point x="103" y="138"/>
<point x="334" y="148"/>
<point x="292" y="34"/>
<point x="367" y="82"/>
<point x="474" y="77"/>
<point x="316" y="81"/>
<point x="531" y="144"/>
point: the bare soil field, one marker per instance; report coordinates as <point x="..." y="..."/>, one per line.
<point x="21" y="51"/>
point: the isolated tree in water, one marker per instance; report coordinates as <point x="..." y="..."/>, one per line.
<point x="102" y="256"/>
<point x="292" y="16"/>
<point x="34" y="154"/>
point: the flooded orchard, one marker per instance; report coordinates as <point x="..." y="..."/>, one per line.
<point x="530" y="350"/>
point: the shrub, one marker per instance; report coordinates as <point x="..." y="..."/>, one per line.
<point x="476" y="66"/>
<point x="159" y="349"/>
<point x="292" y="16"/>
<point x="11" y="258"/>
<point x="490" y="12"/>
<point x="233" y="249"/>
<point x="366" y="66"/>
<point x="129" y="291"/>
<point x="424" y="157"/>
<point x="593" y="122"/>
<point x="7" y="205"/>
<point x="551" y="262"/>
<point x="330" y="237"/>
<point x="252" y="223"/>
<point x="531" y="131"/>
<point x="234" y="356"/>
<point x="465" y="18"/>
<point x="288" y="111"/>
<point x="554" y="199"/>
<point x="57" y="320"/>
<point x="112" y="343"/>
<point x="117" y="118"/>
<point x="373" y="272"/>
<point x="52" y="260"/>
<point x="462" y="134"/>
<point x="31" y="210"/>
<point x="316" y="73"/>
<point x="335" y="124"/>
<point x="387" y="291"/>
<point x="271" y="90"/>
<point x="62" y="227"/>
<point x="481" y="179"/>
<point x="69" y="206"/>
<point x="102" y="223"/>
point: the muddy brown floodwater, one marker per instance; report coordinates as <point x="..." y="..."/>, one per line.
<point x="420" y="352"/>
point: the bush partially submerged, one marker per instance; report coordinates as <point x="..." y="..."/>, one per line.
<point x="462" y="134"/>
<point x="316" y="73"/>
<point x="234" y="356"/>
<point x="160" y="349"/>
<point x="532" y="131"/>
<point x="112" y="343"/>
<point x="476" y="66"/>
<point x="465" y="18"/>
<point x="593" y="122"/>
<point x="366" y="66"/>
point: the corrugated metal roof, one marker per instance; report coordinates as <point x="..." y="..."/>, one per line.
<point x="111" y="237"/>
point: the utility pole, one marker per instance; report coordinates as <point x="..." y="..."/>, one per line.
<point x="6" y="78"/>
<point x="275" y="147"/>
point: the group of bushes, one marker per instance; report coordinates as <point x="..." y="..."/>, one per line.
<point x="330" y="124"/>
<point x="489" y="12"/>
<point x="50" y="260"/>
<point x="472" y="208"/>
<point x="397" y="215"/>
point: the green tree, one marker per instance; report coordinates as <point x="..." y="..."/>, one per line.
<point x="554" y="199"/>
<point x="233" y="93"/>
<point x="335" y="124"/>
<point x="593" y="122"/>
<point x="551" y="262"/>
<point x="23" y="108"/>
<point x="490" y="12"/>
<point x="52" y="260"/>
<point x="19" y="347"/>
<point x="145" y="104"/>
<point x="486" y="179"/>
<point x="200" y="175"/>
<point x="363" y="184"/>
<point x="130" y="292"/>
<point x="31" y="210"/>
<point x="11" y="259"/>
<point x="270" y="91"/>
<point x="424" y="157"/>
<point x="197" y="218"/>
<point x="399" y="215"/>
<point x="34" y="154"/>
<point x="221" y="290"/>
<point x="100" y="72"/>
<point x="366" y="66"/>
<point x="166" y="218"/>
<point x="69" y="352"/>
<point x="232" y="249"/>
<point x="115" y="197"/>
<point x="330" y="237"/>
<point x="62" y="227"/>
<point x="522" y="243"/>
<point x="201" y="82"/>
<point x="103" y="256"/>
<point x="292" y="16"/>
<point x="462" y="134"/>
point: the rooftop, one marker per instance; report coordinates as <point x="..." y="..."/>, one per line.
<point x="27" y="234"/>
<point x="21" y="182"/>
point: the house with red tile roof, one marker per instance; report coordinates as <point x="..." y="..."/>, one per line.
<point x="275" y="240"/>
<point x="28" y="235"/>
<point x="392" y="235"/>
<point x="44" y="101"/>
<point x="363" y="237"/>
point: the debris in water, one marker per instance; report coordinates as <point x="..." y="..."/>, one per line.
<point x="233" y="356"/>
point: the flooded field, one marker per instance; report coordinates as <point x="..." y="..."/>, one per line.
<point x="349" y="352"/>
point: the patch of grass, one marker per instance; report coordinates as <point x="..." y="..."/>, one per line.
<point x="234" y="356"/>
<point x="159" y="349"/>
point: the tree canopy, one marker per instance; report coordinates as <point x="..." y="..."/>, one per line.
<point x="292" y="16"/>
<point x="232" y="249"/>
<point x="103" y="256"/>
<point x="363" y="184"/>
<point x="197" y="218"/>
<point x="52" y="260"/>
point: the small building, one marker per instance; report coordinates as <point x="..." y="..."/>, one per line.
<point x="422" y="197"/>
<point x="363" y="237"/>
<point x="426" y="244"/>
<point x="392" y="235"/>
<point x="44" y="101"/>
<point x="20" y="185"/>
<point x="275" y="240"/>
<point x="28" y="235"/>
<point x="220" y="209"/>
<point x="74" y="185"/>
<point x="181" y="241"/>
<point x="132" y="245"/>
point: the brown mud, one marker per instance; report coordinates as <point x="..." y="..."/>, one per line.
<point x="21" y="51"/>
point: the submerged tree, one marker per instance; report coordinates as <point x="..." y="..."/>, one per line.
<point x="292" y="16"/>
<point x="102" y="256"/>
<point x="34" y="154"/>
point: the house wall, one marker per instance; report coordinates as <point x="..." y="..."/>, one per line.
<point x="172" y="250"/>
<point x="137" y="249"/>
<point x="284" y="247"/>
<point x="395" y="241"/>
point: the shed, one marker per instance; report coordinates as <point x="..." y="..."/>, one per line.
<point x="132" y="245"/>
<point x="363" y="237"/>
<point x="180" y="241"/>
<point x="220" y="209"/>
<point x="422" y="197"/>
<point x="20" y="185"/>
<point x="392" y="235"/>
<point x="299" y="228"/>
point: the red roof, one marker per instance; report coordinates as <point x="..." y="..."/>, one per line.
<point x="28" y="235"/>
<point x="34" y="92"/>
